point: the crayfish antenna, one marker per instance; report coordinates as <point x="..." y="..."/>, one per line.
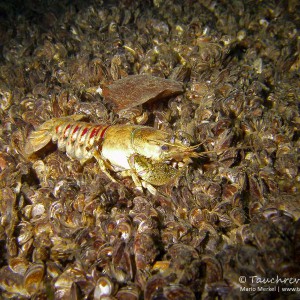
<point x="203" y="153"/>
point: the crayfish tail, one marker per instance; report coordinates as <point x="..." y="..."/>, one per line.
<point x="39" y="138"/>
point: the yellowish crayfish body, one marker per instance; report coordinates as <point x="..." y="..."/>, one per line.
<point x="151" y="157"/>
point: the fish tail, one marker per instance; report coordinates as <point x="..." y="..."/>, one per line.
<point x="40" y="137"/>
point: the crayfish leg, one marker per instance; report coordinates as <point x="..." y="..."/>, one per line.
<point x="103" y="166"/>
<point x="139" y="184"/>
<point x="149" y="187"/>
<point x="135" y="178"/>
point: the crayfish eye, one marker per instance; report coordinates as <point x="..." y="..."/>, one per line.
<point x="164" y="147"/>
<point x="186" y="142"/>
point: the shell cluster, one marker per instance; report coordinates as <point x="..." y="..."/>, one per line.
<point x="67" y="232"/>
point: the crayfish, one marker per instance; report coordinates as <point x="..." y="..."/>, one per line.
<point x="151" y="157"/>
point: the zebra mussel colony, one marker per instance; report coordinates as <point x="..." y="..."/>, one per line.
<point x="68" y="232"/>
